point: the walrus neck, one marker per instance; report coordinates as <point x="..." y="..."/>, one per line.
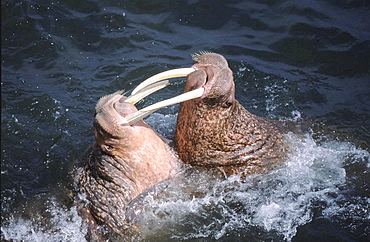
<point x="116" y="172"/>
<point x="111" y="183"/>
<point x="212" y="136"/>
<point x="103" y="180"/>
<point x="210" y="112"/>
<point x="129" y="172"/>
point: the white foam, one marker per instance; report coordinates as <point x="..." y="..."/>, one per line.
<point x="279" y="201"/>
<point x="62" y="224"/>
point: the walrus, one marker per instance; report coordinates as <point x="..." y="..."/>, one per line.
<point x="127" y="159"/>
<point x="215" y="130"/>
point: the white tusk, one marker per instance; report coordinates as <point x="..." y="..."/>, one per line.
<point x="181" y="72"/>
<point x="146" y="91"/>
<point x="134" y="117"/>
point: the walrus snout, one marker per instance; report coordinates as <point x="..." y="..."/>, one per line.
<point x="215" y="77"/>
<point x="196" y="80"/>
<point x="124" y="108"/>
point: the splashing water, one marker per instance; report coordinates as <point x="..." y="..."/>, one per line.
<point x="59" y="224"/>
<point x="199" y="203"/>
<point x="272" y="205"/>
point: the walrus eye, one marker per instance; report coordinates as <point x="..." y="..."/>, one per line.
<point x="108" y="148"/>
<point x="226" y="104"/>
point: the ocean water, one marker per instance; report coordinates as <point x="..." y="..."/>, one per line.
<point x="292" y="60"/>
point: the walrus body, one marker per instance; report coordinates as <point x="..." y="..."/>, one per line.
<point x="124" y="162"/>
<point x="216" y="131"/>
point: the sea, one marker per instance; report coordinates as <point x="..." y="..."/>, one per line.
<point x="293" y="60"/>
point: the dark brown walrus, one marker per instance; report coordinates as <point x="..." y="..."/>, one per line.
<point x="124" y="162"/>
<point x="216" y="131"/>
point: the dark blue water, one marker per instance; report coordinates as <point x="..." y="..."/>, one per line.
<point x="305" y="60"/>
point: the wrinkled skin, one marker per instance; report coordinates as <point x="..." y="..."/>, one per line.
<point x="124" y="162"/>
<point x="216" y="131"/>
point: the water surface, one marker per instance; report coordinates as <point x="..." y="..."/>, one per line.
<point x="292" y="60"/>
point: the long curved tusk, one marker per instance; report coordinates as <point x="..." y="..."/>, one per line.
<point x="146" y="91"/>
<point x="181" y="72"/>
<point x="134" y="117"/>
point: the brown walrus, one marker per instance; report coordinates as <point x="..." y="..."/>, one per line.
<point x="124" y="162"/>
<point x="215" y="130"/>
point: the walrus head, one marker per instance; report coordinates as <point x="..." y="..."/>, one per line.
<point x="111" y="130"/>
<point x="212" y="72"/>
